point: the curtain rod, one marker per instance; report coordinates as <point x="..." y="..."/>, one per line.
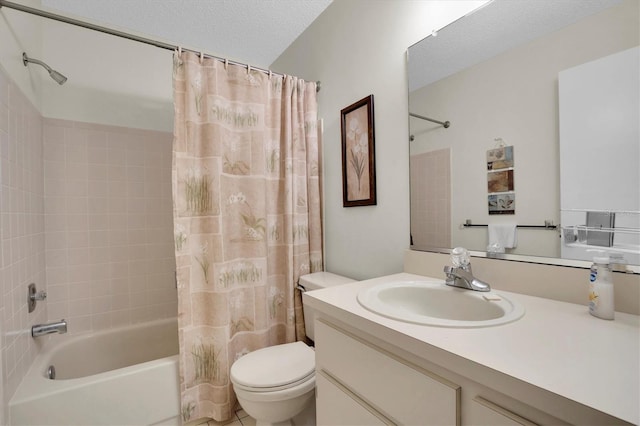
<point x="122" y="34"/>
<point x="445" y="124"/>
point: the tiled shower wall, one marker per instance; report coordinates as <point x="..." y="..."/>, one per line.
<point x="109" y="225"/>
<point x="431" y="199"/>
<point x="22" y="257"/>
<point x="86" y="214"/>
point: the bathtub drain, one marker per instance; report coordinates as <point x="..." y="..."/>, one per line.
<point x="51" y="372"/>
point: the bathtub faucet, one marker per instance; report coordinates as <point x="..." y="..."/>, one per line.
<point x="54" y="327"/>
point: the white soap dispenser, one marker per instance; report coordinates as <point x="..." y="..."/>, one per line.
<point x="601" y="303"/>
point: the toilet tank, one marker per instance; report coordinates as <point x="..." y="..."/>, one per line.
<point x="316" y="281"/>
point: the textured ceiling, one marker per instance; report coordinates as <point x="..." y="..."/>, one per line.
<point x="248" y="31"/>
<point x="490" y="30"/>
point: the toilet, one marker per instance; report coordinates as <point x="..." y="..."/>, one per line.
<point x="276" y="384"/>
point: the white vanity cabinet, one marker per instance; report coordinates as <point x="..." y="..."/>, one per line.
<point x="362" y="380"/>
<point x="485" y="412"/>
<point x="337" y="405"/>
<point x="359" y="382"/>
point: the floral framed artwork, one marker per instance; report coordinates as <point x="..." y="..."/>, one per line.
<point x="358" y="154"/>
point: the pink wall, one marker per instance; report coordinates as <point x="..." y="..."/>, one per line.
<point x="431" y="180"/>
<point x="109" y="224"/>
<point x="22" y="257"/>
<point x="86" y="214"/>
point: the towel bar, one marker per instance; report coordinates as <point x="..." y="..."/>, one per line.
<point x="548" y="224"/>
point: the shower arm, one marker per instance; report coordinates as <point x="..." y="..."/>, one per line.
<point x="58" y="77"/>
<point x="26" y="59"/>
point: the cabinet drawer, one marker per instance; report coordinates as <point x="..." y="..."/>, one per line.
<point x="335" y="406"/>
<point x="404" y="393"/>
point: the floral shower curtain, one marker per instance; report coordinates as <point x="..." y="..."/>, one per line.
<point x="247" y="219"/>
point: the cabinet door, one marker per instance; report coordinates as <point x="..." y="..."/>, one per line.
<point x="487" y="413"/>
<point x="335" y="406"/>
<point x="402" y="392"/>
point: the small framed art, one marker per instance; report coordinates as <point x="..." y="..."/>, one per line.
<point x="358" y="154"/>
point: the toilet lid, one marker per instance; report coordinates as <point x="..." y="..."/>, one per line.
<point x="274" y="367"/>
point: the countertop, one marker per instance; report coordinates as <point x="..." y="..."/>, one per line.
<point x="556" y="346"/>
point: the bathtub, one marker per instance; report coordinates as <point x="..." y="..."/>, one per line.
<point x="124" y="376"/>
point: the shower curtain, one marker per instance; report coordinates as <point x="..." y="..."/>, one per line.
<point x="247" y="219"/>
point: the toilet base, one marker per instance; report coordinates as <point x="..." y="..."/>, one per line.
<point x="280" y="413"/>
<point x="285" y="423"/>
<point x="306" y="418"/>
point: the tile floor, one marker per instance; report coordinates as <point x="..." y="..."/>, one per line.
<point x="240" y="419"/>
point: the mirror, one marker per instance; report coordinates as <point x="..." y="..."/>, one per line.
<point x="491" y="98"/>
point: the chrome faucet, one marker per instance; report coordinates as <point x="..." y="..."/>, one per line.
<point x="460" y="275"/>
<point x="54" y="327"/>
<point x="463" y="278"/>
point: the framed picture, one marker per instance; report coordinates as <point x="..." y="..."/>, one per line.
<point x="358" y="154"/>
<point x="500" y="158"/>
<point x="502" y="203"/>
<point x="501" y="181"/>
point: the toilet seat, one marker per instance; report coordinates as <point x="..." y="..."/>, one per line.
<point x="274" y="368"/>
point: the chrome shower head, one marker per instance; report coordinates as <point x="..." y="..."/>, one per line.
<point x="59" y="78"/>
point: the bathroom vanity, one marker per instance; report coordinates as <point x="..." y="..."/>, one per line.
<point x="555" y="365"/>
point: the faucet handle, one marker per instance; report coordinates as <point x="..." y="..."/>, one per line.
<point x="33" y="296"/>
<point x="41" y="295"/>
<point x="460" y="257"/>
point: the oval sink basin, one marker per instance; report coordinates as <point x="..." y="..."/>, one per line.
<point x="437" y="304"/>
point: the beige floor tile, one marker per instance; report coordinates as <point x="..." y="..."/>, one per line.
<point x="241" y="414"/>
<point x="233" y="421"/>
<point x="197" y="422"/>
<point x="248" y="421"/>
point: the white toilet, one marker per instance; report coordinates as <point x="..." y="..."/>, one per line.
<point x="277" y="383"/>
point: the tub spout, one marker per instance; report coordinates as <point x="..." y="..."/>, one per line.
<point x="54" y="327"/>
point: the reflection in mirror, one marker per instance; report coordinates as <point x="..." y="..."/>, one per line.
<point x="542" y="100"/>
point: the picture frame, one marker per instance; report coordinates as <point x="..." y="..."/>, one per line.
<point x="358" y="154"/>
<point x="502" y="203"/>
<point x="500" y="158"/>
<point x="500" y="181"/>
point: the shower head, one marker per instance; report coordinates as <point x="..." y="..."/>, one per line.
<point x="59" y="78"/>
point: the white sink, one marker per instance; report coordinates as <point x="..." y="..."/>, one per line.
<point x="437" y="304"/>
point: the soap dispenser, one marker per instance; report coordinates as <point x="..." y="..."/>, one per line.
<point x="601" y="303"/>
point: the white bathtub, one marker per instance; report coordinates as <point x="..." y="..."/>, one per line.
<point x="125" y="376"/>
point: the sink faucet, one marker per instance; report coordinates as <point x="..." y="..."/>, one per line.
<point x="463" y="278"/>
<point x="460" y="275"/>
<point x="54" y="327"/>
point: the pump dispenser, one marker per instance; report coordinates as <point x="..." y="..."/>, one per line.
<point x="601" y="303"/>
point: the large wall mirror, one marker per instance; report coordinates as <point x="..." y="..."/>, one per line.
<point x="524" y="120"/>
